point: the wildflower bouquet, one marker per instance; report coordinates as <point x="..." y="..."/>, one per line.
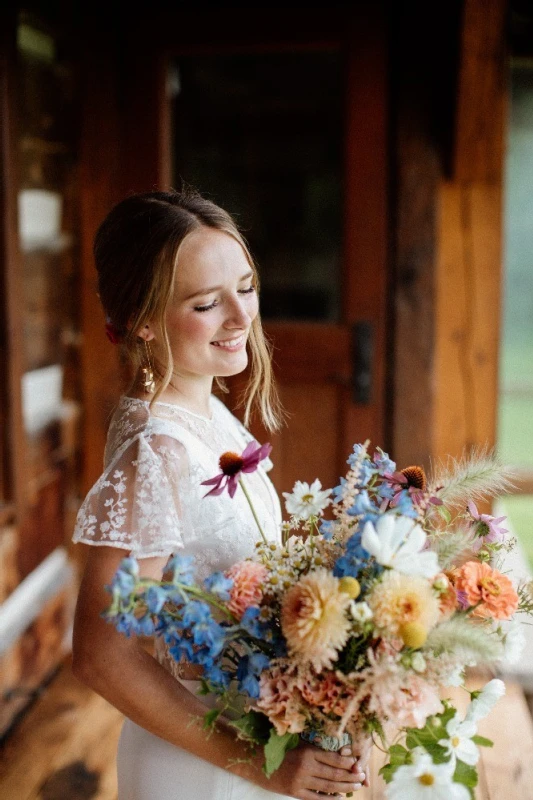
<point x="351" y="626"/>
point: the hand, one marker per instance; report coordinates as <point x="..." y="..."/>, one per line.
<point x="307" y="770"/>
<point x="361" y="751"/>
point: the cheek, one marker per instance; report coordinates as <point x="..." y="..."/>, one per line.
<point x="253" y="306"/>
<point x="190" y="330"/>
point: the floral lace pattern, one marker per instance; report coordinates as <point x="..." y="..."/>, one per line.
<point x="150" y="501"/>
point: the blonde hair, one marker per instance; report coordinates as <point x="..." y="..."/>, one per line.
<point x="136" y="252"/>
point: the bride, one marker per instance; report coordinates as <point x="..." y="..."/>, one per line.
<point x="179" y="288"/>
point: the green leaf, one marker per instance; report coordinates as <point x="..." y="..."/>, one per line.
<point x="399" y="755"/>
<point x="387" y="772"/>
<point x="466" y="775"/>
<point x="253" y="726"/>
<point x="482" y="742"/>
<point x="276" y="749"/>
<point x="211" y="717"/>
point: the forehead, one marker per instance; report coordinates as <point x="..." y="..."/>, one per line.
<point x="208" y="257"/>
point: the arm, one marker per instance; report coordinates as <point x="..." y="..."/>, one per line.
<point x="128" y="677"/>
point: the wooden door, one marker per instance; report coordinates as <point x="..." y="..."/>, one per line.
<point x="300" y="108"/>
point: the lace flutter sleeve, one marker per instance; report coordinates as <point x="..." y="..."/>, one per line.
<point x="135" y="505"/>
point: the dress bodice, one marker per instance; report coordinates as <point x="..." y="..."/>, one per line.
<point x="150" y="501"/>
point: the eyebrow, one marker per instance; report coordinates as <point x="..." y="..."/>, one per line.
<point x="217" y="288"/>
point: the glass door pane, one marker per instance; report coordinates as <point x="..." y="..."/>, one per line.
<point x="262" y="134"/>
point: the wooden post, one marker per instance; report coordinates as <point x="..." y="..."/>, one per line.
<point x="469" y="258"/>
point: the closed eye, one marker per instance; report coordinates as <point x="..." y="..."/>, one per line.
<point x="215" y="302"/>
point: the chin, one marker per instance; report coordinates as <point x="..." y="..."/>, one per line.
<point x="237" y="367"/>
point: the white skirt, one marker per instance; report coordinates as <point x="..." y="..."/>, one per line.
<point x="149" y="768"/>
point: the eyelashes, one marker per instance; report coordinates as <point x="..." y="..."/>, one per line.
<point x="215" y="302"/>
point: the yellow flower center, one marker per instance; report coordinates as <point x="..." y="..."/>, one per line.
<point x="307" y="498"/>
<point x="490" y="586"/>
<point x="455" y="741"/>
<point x="426" y="779"/>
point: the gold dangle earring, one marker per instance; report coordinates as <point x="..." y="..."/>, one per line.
<point x="147" y="372"/>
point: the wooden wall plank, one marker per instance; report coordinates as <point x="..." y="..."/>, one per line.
<point x="469" y="252"/>
<point x="101" y="187"/>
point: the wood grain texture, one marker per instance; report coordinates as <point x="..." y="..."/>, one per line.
<point x="70" y="732"/>
<point x="481" y="101"/>
<point x="469" y="250"/>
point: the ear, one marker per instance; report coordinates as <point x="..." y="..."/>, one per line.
<point x="146" y="333"/>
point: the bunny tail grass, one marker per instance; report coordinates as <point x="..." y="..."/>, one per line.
<point x="475" y="476"/>
<point x="469" y="642"/>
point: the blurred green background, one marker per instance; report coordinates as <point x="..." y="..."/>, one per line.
<point x="515" y="424"/>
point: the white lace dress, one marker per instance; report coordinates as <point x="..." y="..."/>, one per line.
<point x="150" y="502"/>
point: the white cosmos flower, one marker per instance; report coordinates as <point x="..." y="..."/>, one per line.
<point x="397" y="542"/>
<point x="486" y="700"/>
<point x="424" y="780"/>
<point x="306" y="500"/>
<point x="459" y="744"/>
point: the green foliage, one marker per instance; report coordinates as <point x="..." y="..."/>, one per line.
<point x="481" y="741"/>
<point x="466" y="775"/>
<point x="211" y="717"/>
<point x="353" y="657"/>
<point x="276" y="749"/>
<point x="253" y="726"/>
<point x="399" y="756"/>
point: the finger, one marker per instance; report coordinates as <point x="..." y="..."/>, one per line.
<point x="307" y="794"/>
<point x="332" y="787"/>
<point x="334" y="759"/>
<point x="324" y="771"/>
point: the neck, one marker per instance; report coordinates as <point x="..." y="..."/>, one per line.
<point x="191" y="393"/>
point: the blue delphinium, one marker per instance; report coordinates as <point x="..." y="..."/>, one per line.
<point x="248" y="671"/>
<point x="218" y="584"/>
<point x="363" y="506"/>
<point x="327" y="528"/>
<point x="354" y="559"/>
<point x="181" y="569"/>
<point x="125" y="578"/>
<point x="383" y="462"/>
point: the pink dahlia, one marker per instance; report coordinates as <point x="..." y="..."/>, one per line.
<point x="247" y="590"/>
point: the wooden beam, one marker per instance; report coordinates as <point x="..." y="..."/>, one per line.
<point x="469" y="254"/>
<point x="100" y="187"/>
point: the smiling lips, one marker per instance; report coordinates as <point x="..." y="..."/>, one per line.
<point x="231" y="344"/>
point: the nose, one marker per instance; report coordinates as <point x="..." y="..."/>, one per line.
<point x="238" y="316"/>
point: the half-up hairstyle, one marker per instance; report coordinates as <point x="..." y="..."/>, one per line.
<point x="136" y="254"/>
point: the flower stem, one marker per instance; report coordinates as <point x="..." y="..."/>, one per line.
<point x="245" y="490"/>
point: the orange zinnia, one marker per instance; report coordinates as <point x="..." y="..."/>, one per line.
<point x="488" y="587"/>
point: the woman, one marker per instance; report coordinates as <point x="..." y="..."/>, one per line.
<point x="180" y="290"/>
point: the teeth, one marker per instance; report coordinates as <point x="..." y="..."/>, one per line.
<point x="229" y="342"/>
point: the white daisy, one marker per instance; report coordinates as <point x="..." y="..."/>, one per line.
<point x="459" y="744"/>
<point x="425" y="780"/>
<point x="397" y="542"/>
<point x="306" y="500"/>
<point x="486" y="700"/>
